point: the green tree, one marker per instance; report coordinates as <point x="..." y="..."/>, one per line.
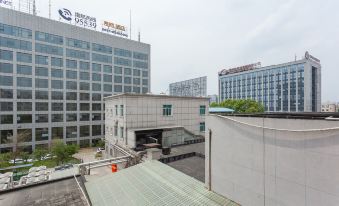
<point x="4" y="159"/>
<point x="24" y="156"/>
<point x="243" y="105"/>
<point x="39" y="153"/>
<point x="62" y="151"/>
<point x="214" y="104"/>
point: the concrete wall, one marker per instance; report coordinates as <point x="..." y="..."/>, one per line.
<point x="257" y="167"/>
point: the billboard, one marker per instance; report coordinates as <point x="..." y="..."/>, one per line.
<point x="190" y="88"/>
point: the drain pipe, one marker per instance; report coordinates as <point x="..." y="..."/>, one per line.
<point x="209" y="159"/>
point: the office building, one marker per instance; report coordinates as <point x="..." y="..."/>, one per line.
<point x="133" y="120"/>
<point x="189" y="88"/>
<point x="329" y="107"/>
<point x="289" y="87"/>
<point x="273" y="159"/>
<point x="54" y="76"/>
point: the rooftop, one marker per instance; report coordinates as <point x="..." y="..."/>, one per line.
<point x="291" y="115"/>
<point x="152" y="95"/>
<point x="151" y="183"/>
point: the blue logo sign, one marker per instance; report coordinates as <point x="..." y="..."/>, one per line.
<point x="66" y="14"/>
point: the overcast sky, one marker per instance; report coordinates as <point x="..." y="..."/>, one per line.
<point x="192" y="38"/>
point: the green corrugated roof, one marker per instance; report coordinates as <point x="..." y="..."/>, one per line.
<point x="151" y="183"/>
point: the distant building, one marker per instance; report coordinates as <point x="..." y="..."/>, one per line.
<point x="189" y="88"/>
<point x="273" y="159"/>
<point x="328" y="107"/>
<point x="133" y="120"/>
<point x="289" y="87"/>
<point x="213" y="98"/>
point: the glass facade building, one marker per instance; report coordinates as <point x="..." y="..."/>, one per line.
<point x="289" y="87"/>
<point x="54" y="76"/>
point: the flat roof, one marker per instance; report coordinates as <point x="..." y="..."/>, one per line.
<point x="152" y="183"/>
<point x="289" y="115"/>
<point x="152" y="95"/>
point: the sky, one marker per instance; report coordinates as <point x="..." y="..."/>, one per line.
<point x="193" y="38"/>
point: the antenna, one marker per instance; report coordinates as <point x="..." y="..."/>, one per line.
<point x="130" y="24"/>
<point x="49" y="4"/>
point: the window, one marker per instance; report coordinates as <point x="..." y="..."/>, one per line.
<point x="136" y="89"/>
<point x="78" y="43"/>
<point x="117" y="70"/>
<point x="202" y="109"/>
<point x="23" y="57"/>
<point x="24" y="118"/>
<point x="6" y="55"/>
<point x="84" y="96"/>
<point x="71" y="117"/>
<point x="84" y="76"/>
<point x="96" y="117"/>
<point x="58" y="62"/>
<point x="127" y="71"/>
<point x="96" y="67"/>
<point x="41" y="134"/>
<point x="96" y="97"/>
<point x="116" y="130"/>
<point x="96" y="77"/>
<point x="41" y="83"/>
<point x="144" y="73"/>
<point x="57" y="118"/>
<point x="71" y="74"/>
<point x="108" y="69"/>
<point x="48" y="49"/>
<point x="41" y="94"/>
<point x="167" y="110"/>
<point x="41" y="59"/>
<point x="6" y="136"/>
<point x="6" y="81"/>
<point x="121" y="133"/>
<point x="57" y="84"/>
<point x="15" y="44"/>
<point x="71" y="85"/>
<point x="128" y="80"/>
<point x="136" y="81"/>
<point x="24" y="135"/>
<point x="140" y="56"/>
<point x="107" y="88"/>
<point x="116" y="110"/>
<point x="117" y="88"/>
<point x="122" y="61"/>
<point x="202" y="126"/>
<point x="127" y="89"/>
<point x="142" y="65"/>
<point x="57" y="133"/>
<point x="96" y="130"/>
<point x="96" y="87"/>
<point x="71" y="106"/>
<point x="24" y="94"/>
<point x="72" y="64"/>
<point x="41" y="118"/>
<point x="57" y="73"/>
<point x="6" y="68"/>
<point x="145" y="82"/>
<point x="84" y="86"/>
<point x="6" y="119"/>
<point x="57" y="106"/>
<point x="57" y="95"/>
<point x="84" y="106"/>
<point x="117" y="79"/>
<point x="24" y="69"/>
<point x="136" y="72"/>
<point x="24" y="106"/>
<point x="77" y="54"/>
<point x="6" y="93"/>
<point x="71" y="132"/>
<point x="96" y="107"/>
<point x="24" y="82"/>
<point x="15" y="31"/>
<point x="84" y="65"/>
<point x="122" y="52"/>
<point x="101" y="58"/>
<point x="41" y="106"/>
<point x="41" y="71"/>
<point x="121" y="110"/>
<point x="102" y="48"/>
<point x="107" y="78"/>
<point x="50" y="38"/>
<point x="6" y="106"/>
<point x="84" y="131"/>
<point x="71" y="96"/>
<point x="84" y="117"/>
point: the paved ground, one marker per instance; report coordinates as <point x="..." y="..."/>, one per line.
<point x="193" y="166"/>
<point x="86" y="154"/>
<point x="65" y="192"/>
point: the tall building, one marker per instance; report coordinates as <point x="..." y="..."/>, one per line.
<point x="189" y="88"/>
<point x="289" y="87"/>
<point x="329" y="107"/>
<point x="54" y="76"/>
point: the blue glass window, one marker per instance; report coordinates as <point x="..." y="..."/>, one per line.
<point x="50" y="38"/>
<point x="84" y="75"/>
<point x="6" y="68"/>
<point x="58" y="62"/>
<point x="77" y="54"/>
<point x="96" y="87"/>
<point x="78" y="43"/>
<point x="24" y="69"/>
<point x="118" y="70"/>
<point x="107" y="68"/>
<point x="41" y="59"/>
<point x="6" y="81"/>
<point x="122" y="52"/>
<point x="117" y="88"/>
<point x="144" y="73"/>
<point x="41" y="71"/>
<point x="15" y="31"/>
<point x="96" y="77"/>
<point x="41" y="83"/>
<point x="57" y="73"/>
<point x="107" y="78"/>
<point x="96" y="67"/>
<point x="102" y="48"/>
<point x="15" y="44"/>
<point x="140" y="56"/>
<point x="122" y="61"/>
<point x="84" y="65"/>
<point x="138" y="64"/>
<point x="72" y="64"/>
<point x="48" y="49"/>
<point x="24" y="82"/>
<point x="107" y="88"/>
<point x="57" y="84"/>
<point x="117" y="79"/>
<point x="101" y="58"/>
<point x="71" y="74"/>
<point x="84" y="86"/>
<point x="6" y="55"/>
<point x="22" y="57"/>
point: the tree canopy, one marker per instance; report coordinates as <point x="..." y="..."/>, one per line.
<point x="62" y="151"/>
<point x="241" y="105"/>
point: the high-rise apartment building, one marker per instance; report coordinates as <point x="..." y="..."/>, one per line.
<point x="54" y="76"/>
<point x="289" y="87"/>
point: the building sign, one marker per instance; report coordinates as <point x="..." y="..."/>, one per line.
<point x="113" y="28"/>
<point x="240" y="69"/>
<point x="90" y="22"/>
<point x="191" y="88"/>
<point x="6" y="3"/>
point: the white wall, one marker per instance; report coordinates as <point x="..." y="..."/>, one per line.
<point x="254" y="167"/>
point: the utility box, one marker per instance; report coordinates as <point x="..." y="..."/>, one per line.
<point x="153" y="154"/>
